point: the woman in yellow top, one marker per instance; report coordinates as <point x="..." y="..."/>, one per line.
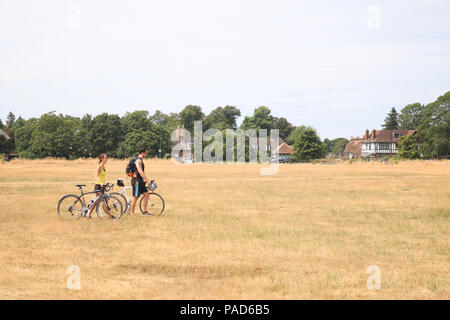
<point x="100" y="181"/>
<point x="100" y="173"/>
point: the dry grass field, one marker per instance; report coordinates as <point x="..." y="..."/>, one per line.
<point x="308" y="232"/>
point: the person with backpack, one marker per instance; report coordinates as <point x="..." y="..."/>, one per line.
<point x="139" y="181"/>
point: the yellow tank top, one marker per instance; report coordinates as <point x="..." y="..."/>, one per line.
<point x="101" y="177"/>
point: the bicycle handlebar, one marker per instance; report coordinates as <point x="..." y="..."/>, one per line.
<point x="107" y="187"/>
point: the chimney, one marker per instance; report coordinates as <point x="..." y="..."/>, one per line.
<point x="374" y="134"/>
<point x="366" y="136"/>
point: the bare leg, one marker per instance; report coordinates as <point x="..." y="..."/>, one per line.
<point x="133" y="205"/>
<point x="145" y="201"/>
<point x="93" y="206"/>
<point x="105" y="208"/>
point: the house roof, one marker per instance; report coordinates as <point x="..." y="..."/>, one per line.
<point x="385" y="135"/>
<point x="284" y="148"/>
<point x="354" y="147"/>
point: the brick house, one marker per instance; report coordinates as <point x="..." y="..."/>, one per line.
<point x="353" y="149"/>
<point x="284" y="150"/>
<point x="380" y="143"/>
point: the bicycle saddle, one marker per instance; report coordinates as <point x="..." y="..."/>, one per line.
<point x="80" y="185"/>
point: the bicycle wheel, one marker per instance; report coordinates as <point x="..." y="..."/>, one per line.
<point x="122" y="199"/>
<point x="111" y="203"/>
<point x="70" y="207"/>
<point x="155" y="205"/>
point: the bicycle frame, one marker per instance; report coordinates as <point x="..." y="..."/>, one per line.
<point x="124" y="192"/>
<point x="98" y="199"/>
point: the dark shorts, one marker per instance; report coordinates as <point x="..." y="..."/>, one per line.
<point x="138" y="187"/>
<point x="98" y="188"/>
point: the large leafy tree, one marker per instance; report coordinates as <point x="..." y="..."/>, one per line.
<point x="308" y="146"/>
<point x="434" y="129"/>
<point x="169" y="122"/>
<point x="285" y="127"/>
<point x="85" y="137"/>
<point x="339" y="145"/>
<point x="261" y="119"/>
<point x="189" y="115"/>
<point x="336" y="145"/>
<point x="408" y="147"/>
<point x="23" y="138"/>
<point x="391" y="120"/>
<point x="410" y="116"/>
<point x="106" y="134"/>
<point x="55" y="136"/>
<point x="222" y="118"/>
<point x="137" y="139"/>
<point x="295" y="134"/>
<point x="136" y="121"/>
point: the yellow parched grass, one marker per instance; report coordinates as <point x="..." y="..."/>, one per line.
<point x="308" y="232"/>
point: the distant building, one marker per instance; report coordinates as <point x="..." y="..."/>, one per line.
<point x="184" y="145"/>
<point x="353" y="149"/>
<point x="285" y="152"/>
<point x="376" y="143"/>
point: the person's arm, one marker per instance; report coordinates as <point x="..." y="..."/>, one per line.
<point x="141" y="172"/>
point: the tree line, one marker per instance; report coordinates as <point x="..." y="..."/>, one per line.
<point x="65" y="136"/>
<point x="432" y="122"/>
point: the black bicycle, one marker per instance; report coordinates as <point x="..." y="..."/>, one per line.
<point x="72" y="207"/>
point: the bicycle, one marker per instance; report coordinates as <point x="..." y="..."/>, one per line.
<point x="155" y="203"/>
<point x="73" y="207"/>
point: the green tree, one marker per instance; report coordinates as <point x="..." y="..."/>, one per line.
<point x="410" y="116"/>
<point x="168" y="121"/>
<point x="10" y="119"/>
<point x="408" y="147"/>
<point x="261" y="119"/>
<point x="55" y="136"/>
<point x="339" y="145"/>
<point x="391" y="120"/>
<point x="137" y="139"/>
<point x="106" y="134"/>
<point x="23" y="138"/>
<point x="308" y="146"/>
<point x="285" y="127"/>
<point x="336" y="145"/>
<point x="189" y="115"/>
<point x="85" y="137"/>
<point x="295" y="134"/>
<point x="434" y="129"/>
<point x="222" y="118"/>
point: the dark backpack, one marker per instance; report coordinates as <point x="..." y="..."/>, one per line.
<point x="131" y="169"/>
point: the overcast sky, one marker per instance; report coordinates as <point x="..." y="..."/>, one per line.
<point x="338" y="66"/>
